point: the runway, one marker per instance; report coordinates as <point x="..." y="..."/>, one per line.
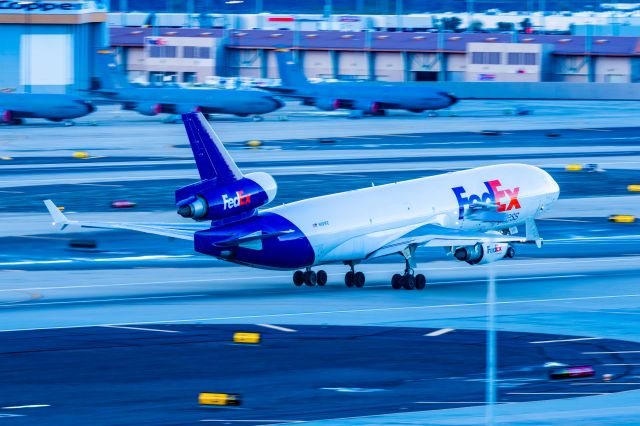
<point x="352" y="370"/>
<point x="62" y="306"/>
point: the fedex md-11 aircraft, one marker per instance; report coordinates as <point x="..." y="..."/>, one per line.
<point x="474" y="214"/>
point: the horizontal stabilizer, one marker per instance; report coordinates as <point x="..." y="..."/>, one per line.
<point x="183" y="231"/>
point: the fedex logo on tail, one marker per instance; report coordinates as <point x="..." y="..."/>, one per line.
<point x="239" y="200"/>
<point x="504" y="199"/>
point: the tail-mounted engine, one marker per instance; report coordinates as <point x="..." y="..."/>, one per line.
<point x="205" y="200"/>
<point x="483" y="253"/>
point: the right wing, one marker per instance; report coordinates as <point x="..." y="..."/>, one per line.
<point x="184" y="231"/>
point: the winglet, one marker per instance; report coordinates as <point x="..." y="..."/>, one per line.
<point x="58" y="217"/>
<point x="532" y="233"/>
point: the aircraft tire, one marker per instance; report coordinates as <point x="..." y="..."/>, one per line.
<point x="310" y="278"/>
<point x="421" y="282"/>
<point x="359" y="279"/>
<point x="322" y="278"/>
<point x="298" y="278"/>
<point x="409" y="282"/>
<point x="511" y="252"/>
<point x="396" y="281"/>
<point x="349" y="278"/>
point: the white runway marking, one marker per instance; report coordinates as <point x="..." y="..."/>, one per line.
<point x="558" y="393"/>
<point x="611" y="352"/>
<point x="119" y="299"/>
<point x="252" y="421"/>
<point x="453" y="402"/>
<point x="17" y="407"/>
<point x="620" y="365"/>
<point x="439" y="332"/>
<point x="126" y="327"/>
<point x="345" y="311"/>
<point x="567" y="220"/>
<point x="277" y="327"/>
<point x="578" y="339"/>
<point x="607" y="383"/>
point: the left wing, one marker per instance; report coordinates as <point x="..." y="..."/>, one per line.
<point x="182" y="231"/>
<point x="431" y="235"/>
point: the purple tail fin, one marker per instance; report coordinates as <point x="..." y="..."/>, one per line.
<point x="212" y="159"/>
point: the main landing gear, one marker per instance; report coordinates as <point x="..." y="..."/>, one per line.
<point x="409" y="281"/>
<point x="310" y="278"/>
<point x="353" y="278"/>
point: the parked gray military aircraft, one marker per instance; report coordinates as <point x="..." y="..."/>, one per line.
<point x="364" y="97"/>
<point x="114" y="87"/>
<point x="15" y="107"/>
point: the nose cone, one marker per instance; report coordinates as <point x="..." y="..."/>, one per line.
<point x="452" y="99"/>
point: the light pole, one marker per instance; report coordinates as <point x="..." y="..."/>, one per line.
<point x="399" y="8"/>
<point x="491" y="348"/>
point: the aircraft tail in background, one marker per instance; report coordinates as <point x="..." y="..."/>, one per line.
<point x="107" y="78"/>
<point x="291" y="73"/>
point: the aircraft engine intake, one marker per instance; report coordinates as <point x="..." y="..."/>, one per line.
<point x="6" y="116"/>
<point x="480" y="253"/>
<point x="145" y="108"/>
<point x="368" y="107"/>
<point x="328" y="104"/>
<point x="206" y="200"/>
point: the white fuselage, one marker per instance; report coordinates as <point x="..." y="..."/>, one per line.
<point x="347" y="226"/>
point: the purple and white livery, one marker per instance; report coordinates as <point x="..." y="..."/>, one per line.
<point x="474" y="214"/>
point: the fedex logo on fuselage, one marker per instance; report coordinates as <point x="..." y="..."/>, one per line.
<point x="239" y="200"/>
<point x="504" y="199"/>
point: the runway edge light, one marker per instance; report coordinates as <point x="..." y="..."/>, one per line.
<point x="207" y="398"/>
<point x="241" y="337"/>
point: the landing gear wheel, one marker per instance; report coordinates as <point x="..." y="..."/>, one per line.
<point x="321" y="277"/>
<point x="409" y="282"/>
<point x="298" y="278"/>
<point x="396" y="281"/>
<point x="358" y="279"/>
<point x="349" y="278"/>
<point x="310" y="278"/>
<point x="511" y="252"/>
<point x="421" y="282"/>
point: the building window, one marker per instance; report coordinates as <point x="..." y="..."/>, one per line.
<point x="492" y="58"/>
<point x="515" y="58"/>
<point x="189" y="77"/>
<point x="162" y="51"/>
<point x="192" y="52"/>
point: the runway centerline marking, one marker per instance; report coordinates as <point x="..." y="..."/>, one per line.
<point x="578" y="339"/>
<point x="125" y="327"/>
<point x="610" y="352"/>
<point x="252" y="421"/>
<point x="117" y="299"/>
<point x="277" y="327"/>
<point x="17" y="407"/>
<point x="346" y="311"/>
<point x="558" y="393"/>
<point x="439" y="332"/>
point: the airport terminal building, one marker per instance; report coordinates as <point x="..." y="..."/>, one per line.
<point x="48" y="47"/>
<point x="379" y="55"/>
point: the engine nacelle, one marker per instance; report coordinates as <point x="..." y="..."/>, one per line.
<point x="185" y="109"/>
<point x="6" y="116"/>
<point x="367" y="107"/>
<point x="328" y="104"/>
<point x="205" y="200"/>
<point x="148" y="108"/>
<point x="481" y="253"/>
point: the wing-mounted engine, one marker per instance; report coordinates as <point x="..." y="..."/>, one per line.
<point x="482" y="253"/>
<point x="327" y="104"/>
<point x="209" y="200"/>
<point x="367" y="107"/>
<point x="6" y="116"/>
<point x="145" y="108"/>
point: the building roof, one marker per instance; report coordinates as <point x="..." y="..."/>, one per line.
<point x="383" y="41"/>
